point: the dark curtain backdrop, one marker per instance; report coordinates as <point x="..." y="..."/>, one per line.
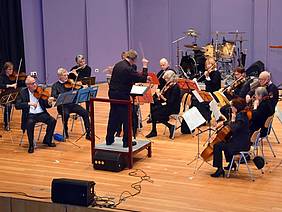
<point x="11" y="33"/>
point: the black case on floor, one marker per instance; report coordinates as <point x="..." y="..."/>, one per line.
<point x="108" y="161"/>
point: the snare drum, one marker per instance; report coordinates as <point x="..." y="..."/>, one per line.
<point x="227" y="50"/>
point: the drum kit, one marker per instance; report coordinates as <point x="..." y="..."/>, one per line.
<point x="227" y="53"/>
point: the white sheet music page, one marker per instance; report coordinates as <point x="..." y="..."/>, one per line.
<point x="138" y="90"/>
<point x="215" y="110"/>
<point x="197" y="95"/>
<point x="193" y="118"/>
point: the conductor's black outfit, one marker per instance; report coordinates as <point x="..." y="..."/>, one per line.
<point x="239" y="140"/>
<point x="30" y="119"/>
<point x="123" y="77"/>
<point x="65" y="110"/>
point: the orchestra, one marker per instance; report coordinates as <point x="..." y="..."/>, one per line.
<point x="247" y="111"/>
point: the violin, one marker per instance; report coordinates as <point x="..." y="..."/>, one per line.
<point x="222" y="134"/>
<point x="15" y="77"/>
<point x="230" y="89"/>
<point x="41" y="93"/>
<point x="70" y="83"/>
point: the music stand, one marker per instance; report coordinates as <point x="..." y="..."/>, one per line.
<point x="88" y="81"/>
<point x="137" y="91"/>
<point x="194" y="119"/>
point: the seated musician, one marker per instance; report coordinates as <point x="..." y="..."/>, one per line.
<point x="65" y="110"/>
<point x="166" y="102"/>
<point x="79" y="71"/>
<point x="239" y="88"/>
<point x="8" y="82"/>
<point x="265" y="81"/>
<point x="239" y="140"/>
<point x="34" y="111"/>
<point x="262" y="109"/>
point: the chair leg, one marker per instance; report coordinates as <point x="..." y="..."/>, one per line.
<point x="275" y="135"/>
<point x="232" y="161"/>
<point x="72" y="123"/>
<point x="21" y="141"/>
<point x="82" y="125"/>
<point x="249" y="170"/>
<point x="270" y="146"/>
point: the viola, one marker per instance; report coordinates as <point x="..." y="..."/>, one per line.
<point x="221" y="135"/>
<point x="70" y="83"/>
<point x="41" y="93"/>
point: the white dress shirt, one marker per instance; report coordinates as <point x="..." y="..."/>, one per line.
<point x="33" y="110"/>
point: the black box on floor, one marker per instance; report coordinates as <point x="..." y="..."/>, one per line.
<point x="108" y="161"/>
<point x="73" y="192"/>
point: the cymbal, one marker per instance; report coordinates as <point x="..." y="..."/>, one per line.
<point x="191" y="32"/>
<point x="219" y="33"/>
<point x="193" y="47"/>
<point x="236" y="32"/>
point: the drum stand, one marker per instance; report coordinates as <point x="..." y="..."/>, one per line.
<point x="177" y="48"/>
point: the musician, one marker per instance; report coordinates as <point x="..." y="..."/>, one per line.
<point x="166" y="102"/>
<point x="35" y="110"/>
<point x="265" y="81"/>
<point x="79" y="71"/>
<point x="262" y="109"/>
<point x="239" y="140"/>
<point x="164" y="64"/>
<point x="212" y="75"/>
<point x="239" y="88"/>
<point x="6" y="84"/>
<point x="65" y="110"/>
<point x="123" y="77"/>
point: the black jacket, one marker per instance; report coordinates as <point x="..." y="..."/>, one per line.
<point x="215" y="83"/>
<point x="84" y="72"/>
<point x="22" y="104"/>
<point x="123" y="77"/>
<point x="239" y="140"/>
<point x="4" y="81"/>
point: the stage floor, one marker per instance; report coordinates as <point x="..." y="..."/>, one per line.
<point x="175" y="187"/>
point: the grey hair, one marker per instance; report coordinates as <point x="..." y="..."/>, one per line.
<point x="61" y="71"/>
<point x="170" y="75"/>
<point x="261" y="91"/>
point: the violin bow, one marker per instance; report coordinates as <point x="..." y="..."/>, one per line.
<point x="19" y="68"/>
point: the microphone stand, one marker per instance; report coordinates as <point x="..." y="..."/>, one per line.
<point x="177" y="47"/>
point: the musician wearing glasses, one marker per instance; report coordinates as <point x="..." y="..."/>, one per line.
<point x="60" y="87"/>
<point x="166" y="102"/>
<point x="123" y="77"/>
<point x="33" y="111"/>
<point x="8" y="84"/>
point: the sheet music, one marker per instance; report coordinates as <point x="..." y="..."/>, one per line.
<point x="197" y="95"/>
<point x="138" y="90"/>
<point x="193" y="118"/>
<point x="215" y="110"/>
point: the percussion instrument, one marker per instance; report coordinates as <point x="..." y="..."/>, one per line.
<point x="209" y="50"/>
<point x="227" y="50"/>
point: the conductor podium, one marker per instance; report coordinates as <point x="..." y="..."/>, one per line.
<point x="115" y="157"/>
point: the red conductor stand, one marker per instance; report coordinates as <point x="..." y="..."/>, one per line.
<point x="127" y="153"/>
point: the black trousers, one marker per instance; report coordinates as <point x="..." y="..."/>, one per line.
<point x="217" y="154"/>
<point x="65" y="111"/>
<point x="7" y="114"/>
<point x="46" y="119"/>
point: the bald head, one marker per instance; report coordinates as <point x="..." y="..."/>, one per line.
<point x="264" y="78"/>
<point x="30" y="83"/>
<point x="164" y="64"/>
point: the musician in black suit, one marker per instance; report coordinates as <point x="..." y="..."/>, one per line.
<point x="239" y="88"/>
<point x="262" y="109"/>
<point x="65" y="110"/>
<point x="164" y="64"/>
<point x="8" y="85"/>
<point x="265" y="81"/>
<point x="35" y="110"/>
<point x="239" y="140"/>
<point x="123" y="77"/>
<point x="166" y="102"/>
<point x="212" y="75"/>
<point x="80" y="71"/>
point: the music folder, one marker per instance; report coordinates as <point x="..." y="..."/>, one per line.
<point x="66" y="98"/>
<point x="138" y="90"/>
<point x="84" y="95"/>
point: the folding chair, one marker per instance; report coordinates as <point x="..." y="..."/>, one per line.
<point x="37" y="125"/>
<point x="268" y="126"/>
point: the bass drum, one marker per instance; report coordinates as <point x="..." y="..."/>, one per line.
<point x="209" y="50"/>
<point x="227" y="50"/>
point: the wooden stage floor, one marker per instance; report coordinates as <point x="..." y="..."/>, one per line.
<point x="174" y="187"/>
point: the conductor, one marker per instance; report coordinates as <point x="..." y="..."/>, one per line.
<point x="123" y="77"/>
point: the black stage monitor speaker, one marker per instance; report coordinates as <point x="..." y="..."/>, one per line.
<point x="109" y="161"/>
<point x="255" y="69"/>
<point x="73" y="192"/>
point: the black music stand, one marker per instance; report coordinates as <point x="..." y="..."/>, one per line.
<point x="88" y="81"/>
<point x="137" y="90"/>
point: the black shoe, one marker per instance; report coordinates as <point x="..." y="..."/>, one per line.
<point x="149" y="121"/>
<point x="50" y="144"/>
<point x="133" y="144"/>
<point x="171" y="131"/>
<point x="218" y="173"/>
<point x="30" y="149"/>
<point x="151" y="134"/>
<point x="234" y="166"/>
<point x="88" y="136"/>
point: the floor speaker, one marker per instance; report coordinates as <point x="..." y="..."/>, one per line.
<point x="109" y="161"/>
<point x="73" y="192"/>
